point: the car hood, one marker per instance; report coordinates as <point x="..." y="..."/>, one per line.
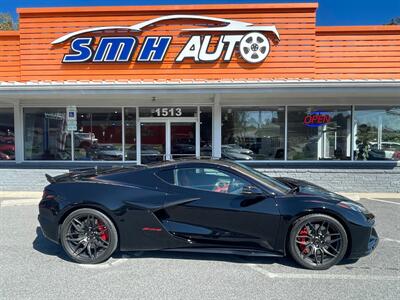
<point x="308" y="188"/>
<point x="236" y="155"/>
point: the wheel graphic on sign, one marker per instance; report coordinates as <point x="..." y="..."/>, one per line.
<point x="254" y="47"/>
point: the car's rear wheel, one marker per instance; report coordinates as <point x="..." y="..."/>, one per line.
<point x="88" y="236"/>
<point x="318" y="241"/>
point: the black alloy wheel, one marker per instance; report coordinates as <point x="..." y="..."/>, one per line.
<point x="88" y="236"/>
<point x="318" y="241"/>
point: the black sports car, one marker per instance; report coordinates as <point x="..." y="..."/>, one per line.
<point x="202" y="206"/>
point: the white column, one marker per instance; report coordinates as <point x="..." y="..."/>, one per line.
<point x="18" y="132"/>
<point x="325" y="142"/>
<point x="380" y="127"/>
<point x="353" y="133"/>
<point x="216" y="127"/>
<point x="320" y="144"/>
<point x="348" y="138"/>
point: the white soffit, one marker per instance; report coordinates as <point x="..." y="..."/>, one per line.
<point x="186" y="84"/>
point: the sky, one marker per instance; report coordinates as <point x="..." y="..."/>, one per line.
<point x="330" y="12"/>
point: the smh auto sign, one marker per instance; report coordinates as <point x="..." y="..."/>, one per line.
<point x="251" y="40"/>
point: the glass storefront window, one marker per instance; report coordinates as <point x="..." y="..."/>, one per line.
<point x="253" y="133"/>
<point x="319" y="133"/>
<point x="7" y="140"/>
<point x="45" y="134"/>
<point x="248" y="133"/>
<point x="206" y="132"/>
<point x="99" y="134"/>
<point x="130" y="133"/>
<point x="377" y="133"/>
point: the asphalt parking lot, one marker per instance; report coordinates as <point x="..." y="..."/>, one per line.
<point x="33" y="268"/>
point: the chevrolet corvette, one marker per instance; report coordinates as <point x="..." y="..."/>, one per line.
<point x="209" y="206"/>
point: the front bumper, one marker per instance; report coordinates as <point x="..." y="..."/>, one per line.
<point x="373" y="241"/>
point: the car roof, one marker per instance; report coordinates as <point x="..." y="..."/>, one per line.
<point x="153" y="167"/>
<point x="219" y="162"/>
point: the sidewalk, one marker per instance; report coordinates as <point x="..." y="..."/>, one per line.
<point x="358" y="196"/>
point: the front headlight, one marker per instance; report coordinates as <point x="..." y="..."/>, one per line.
<point x="353" y="206"/>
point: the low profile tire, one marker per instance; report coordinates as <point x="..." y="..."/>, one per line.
<point x="318" y="241"/>
<point x="88" y="236"/>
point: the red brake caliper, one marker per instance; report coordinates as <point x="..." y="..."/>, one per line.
<point x="303" y="240"/>
<point x="103" y="229"/>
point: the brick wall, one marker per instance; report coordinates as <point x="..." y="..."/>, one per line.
<point x="350" y="178"/>
<point x="346" y="180"/>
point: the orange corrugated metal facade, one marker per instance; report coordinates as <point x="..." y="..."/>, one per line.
<point x="10" y="63"/>
<point x="358" y="52"/>
<point x="304" y="51"/>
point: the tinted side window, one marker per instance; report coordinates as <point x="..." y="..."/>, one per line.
<point x="207" y="179"/>
<point x="167" y="176"/>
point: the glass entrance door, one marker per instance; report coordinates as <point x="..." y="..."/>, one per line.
<point x="168" y="139"/>
<point x="152" y="142"/>
<point x="183" y="140"/>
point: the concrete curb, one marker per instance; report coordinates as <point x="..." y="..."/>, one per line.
<point x="20" y="195"/>
<point x="358" y="196"/>
<point x="19" y="198"/>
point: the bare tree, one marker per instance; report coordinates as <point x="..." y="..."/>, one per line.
<point x="395" y="21"/>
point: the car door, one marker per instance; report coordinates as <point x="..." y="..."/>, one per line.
<point x="214" y="206"/>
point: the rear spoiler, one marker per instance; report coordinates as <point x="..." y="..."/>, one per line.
<point x="50" y="178"/>
<point x="80" y="173"/>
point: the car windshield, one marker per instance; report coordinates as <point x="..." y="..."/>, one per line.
<point x="272" y="182"/>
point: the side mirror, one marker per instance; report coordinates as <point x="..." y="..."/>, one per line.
<point x="251" y="190"/>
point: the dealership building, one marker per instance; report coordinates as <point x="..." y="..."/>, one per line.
<point x="255" y="83"/>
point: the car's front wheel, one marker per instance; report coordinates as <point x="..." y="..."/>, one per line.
<point x="88" y="236"/>
<point x="318" y="241"/>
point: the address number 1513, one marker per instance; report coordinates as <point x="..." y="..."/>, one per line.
<point x="168" y="112"/>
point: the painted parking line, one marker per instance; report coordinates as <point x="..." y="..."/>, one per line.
<point x="113" y="262"/>
<point x="383" y="201"/>
<point x="390" y="240"/>
<point x="318" y="275"/>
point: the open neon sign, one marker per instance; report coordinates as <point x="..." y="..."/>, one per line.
<point x="317" y="118"/>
